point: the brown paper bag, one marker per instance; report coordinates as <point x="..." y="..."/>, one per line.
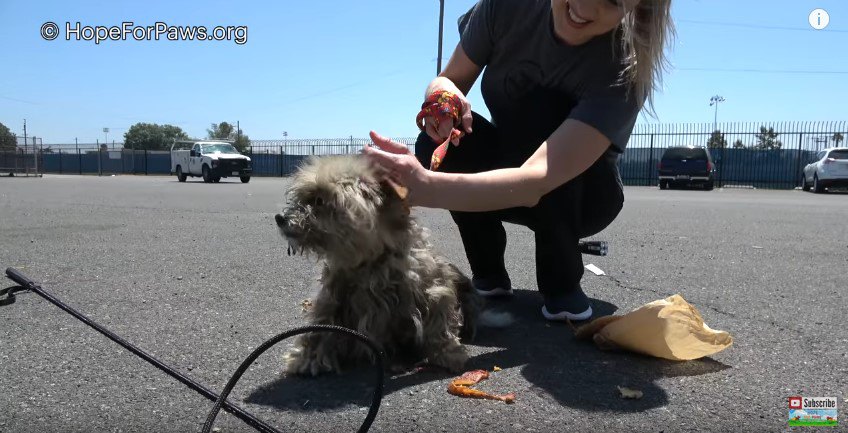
<point x="669" y="328"/>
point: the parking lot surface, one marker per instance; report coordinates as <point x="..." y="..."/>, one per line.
<point x="197" y="275"/>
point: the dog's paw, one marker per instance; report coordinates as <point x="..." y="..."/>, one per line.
<point x="399" y="368"/>
<point x="456" y="367"/>
<point x="296" y="363"/>
<point x="453" y="358"/>
<point x="301" y="363"/>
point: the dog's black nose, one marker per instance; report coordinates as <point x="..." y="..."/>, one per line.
<point x="281" y="220"/>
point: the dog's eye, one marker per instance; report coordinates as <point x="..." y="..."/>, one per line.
<point x="318" y="201"/>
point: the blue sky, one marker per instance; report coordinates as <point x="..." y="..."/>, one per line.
<point x="340" y="68"/>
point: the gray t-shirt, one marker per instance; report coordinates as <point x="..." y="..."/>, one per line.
<point x="532" y="81"/>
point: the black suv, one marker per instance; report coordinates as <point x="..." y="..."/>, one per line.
<point x="684" y="166"/>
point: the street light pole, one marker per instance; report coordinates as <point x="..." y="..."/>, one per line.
<point x="441" y="26"/>
<point x="715" y="101"/>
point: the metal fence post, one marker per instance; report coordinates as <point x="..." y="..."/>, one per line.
<point x="281" y="161"/>
<point x="720" y="167"/>
<point x="145" y="162"/>
<point x="35" y="155"/>
<point x="650" y="161"/>
<point x="79" y="160"/>
<point x="798" y="163"/>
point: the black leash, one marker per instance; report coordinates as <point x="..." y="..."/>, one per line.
<point x="220" y="400"/>
<point x="378" y="391"/>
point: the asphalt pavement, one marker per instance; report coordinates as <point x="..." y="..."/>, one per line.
<point x="197" y="275"/>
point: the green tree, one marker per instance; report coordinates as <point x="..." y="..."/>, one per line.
<point x="227" y="131"/>
<point x="172" y="133"/>
<point x="837" y="138"/>
<point x="151" y="136"/>
<point x="221" y="131"/>
<point x="242" y="143"/>
<point x="767" y="139"/>
<point x="716" y="140"/>
<point x="7" y="139"/>
<point x="738" y="144"/>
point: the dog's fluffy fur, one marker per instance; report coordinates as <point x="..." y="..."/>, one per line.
<point x="380" y="275"/>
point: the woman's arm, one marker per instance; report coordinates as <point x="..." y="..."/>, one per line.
<point x="460" y="73"/>
<point x="568" y="152"/>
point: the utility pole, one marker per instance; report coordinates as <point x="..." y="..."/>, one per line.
<point x="441" y="26"/>
<point x="715" y="101"/>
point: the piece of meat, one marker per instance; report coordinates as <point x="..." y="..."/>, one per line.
<point x="461" y="386"/>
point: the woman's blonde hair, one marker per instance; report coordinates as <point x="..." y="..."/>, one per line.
<point x="645" y="31"/>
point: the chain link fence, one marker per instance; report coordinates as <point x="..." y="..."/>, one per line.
<point x="24" y="159"/>
<point x="761" y="155"/>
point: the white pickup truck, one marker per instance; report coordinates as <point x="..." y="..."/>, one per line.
<point x="211" y="160"/>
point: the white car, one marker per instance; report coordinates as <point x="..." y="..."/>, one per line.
<point x="210" y="160"/>
<point x="830" y="169"/>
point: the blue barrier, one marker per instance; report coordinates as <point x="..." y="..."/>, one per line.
<point x="140" y="162"/>
<point x="779" y="168"/>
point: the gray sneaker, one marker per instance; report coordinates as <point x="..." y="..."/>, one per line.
<point x="487" y="288"/>
<point x="572" y="306"/>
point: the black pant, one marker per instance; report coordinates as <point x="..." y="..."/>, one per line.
<point x="577" y="209"/>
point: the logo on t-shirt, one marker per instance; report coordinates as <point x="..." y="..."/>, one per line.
<point x="522" y="78"/>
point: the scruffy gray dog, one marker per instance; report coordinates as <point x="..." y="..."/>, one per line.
<point x="380" y="275"/>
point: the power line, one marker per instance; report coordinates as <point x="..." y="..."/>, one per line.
<point x="763" y="71"/>
<point x="362" y="82"/>
<point x="19" y="100"/>
<point x="345" y="87"/>
<point x="758" y="26"/>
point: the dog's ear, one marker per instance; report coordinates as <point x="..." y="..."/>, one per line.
<point x="401" y="191"/>
<point x="395" y="191"/>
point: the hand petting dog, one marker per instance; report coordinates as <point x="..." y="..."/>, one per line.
<point x="395" y="161"/>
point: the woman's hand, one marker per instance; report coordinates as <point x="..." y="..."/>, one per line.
<point x="444" y="129"/>
<point x="395" y="161"/>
